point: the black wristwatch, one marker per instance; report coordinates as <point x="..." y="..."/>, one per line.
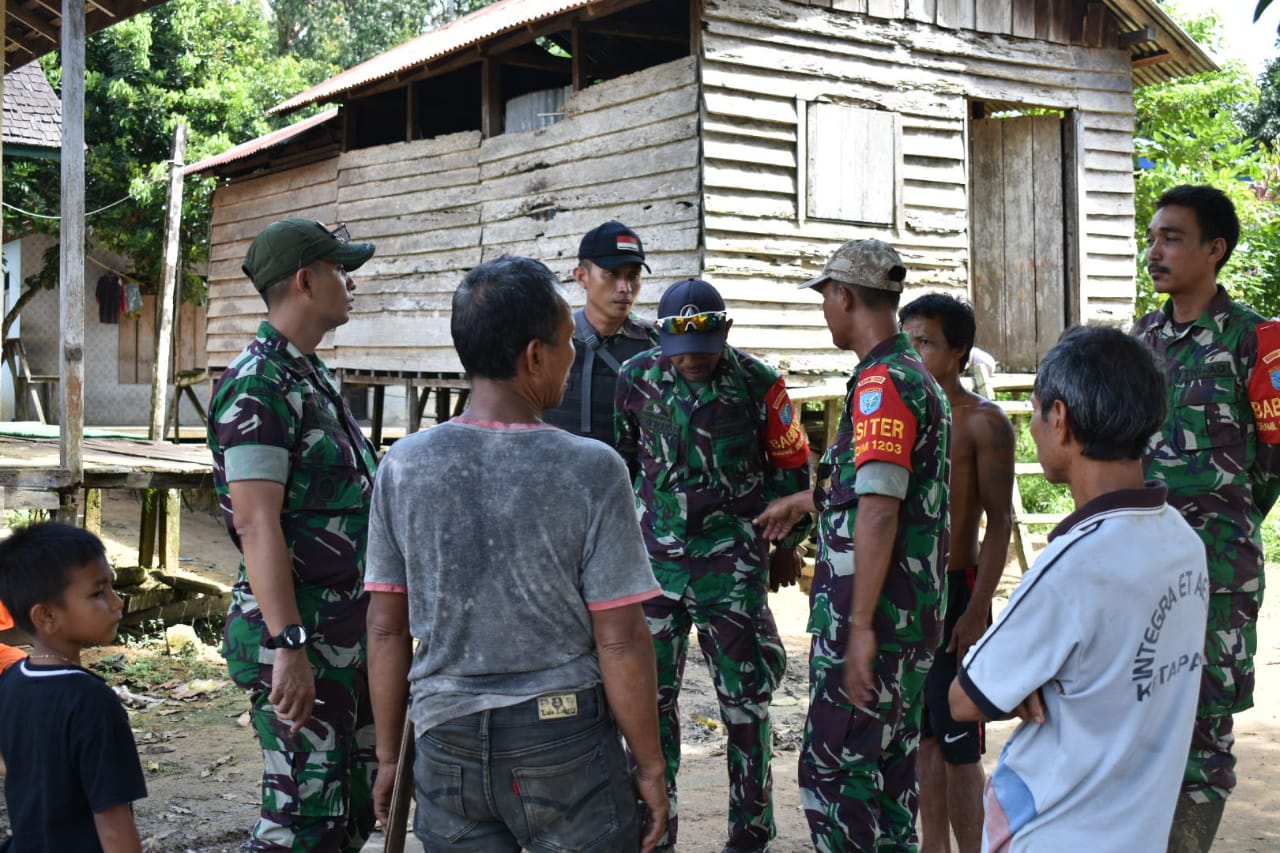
<point x="292" y="637"/>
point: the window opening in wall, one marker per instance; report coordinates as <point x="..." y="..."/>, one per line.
<point x="447" y="103"/>
<point x="376" y="120"/>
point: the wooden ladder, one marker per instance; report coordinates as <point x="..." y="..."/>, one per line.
<point x="27" y="385"/>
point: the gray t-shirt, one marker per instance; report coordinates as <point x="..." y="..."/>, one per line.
<point x="504" y="538"/>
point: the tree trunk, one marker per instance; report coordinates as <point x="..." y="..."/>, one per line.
<point x="11" y="317"/>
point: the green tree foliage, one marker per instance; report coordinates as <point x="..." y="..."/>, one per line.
<point x="347" y="32"/>
<point x="211" y="66"/>
<point x="1192" y="131"/>
<point x="1262" y="120"/>
<point x="217" y="67"/>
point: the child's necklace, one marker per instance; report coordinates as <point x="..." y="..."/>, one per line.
<point x="37" y="653"/>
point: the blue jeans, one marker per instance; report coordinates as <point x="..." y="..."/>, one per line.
<point x="548" y="774"/>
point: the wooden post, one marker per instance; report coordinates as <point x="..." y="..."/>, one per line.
<point x="161" y="367"/>
<point x="442" y="405"/>
<point x="411" y="407"/>
<point x="491" y="106"/>
<point x="170" y="530"/>
<point x="92" y="508"/>
<point x="577" y="44"/>
<point x="831" y="409"/>
<point x="379" y="398"/>
<point x="71" y="258"/>
<point x="147" y="531"/>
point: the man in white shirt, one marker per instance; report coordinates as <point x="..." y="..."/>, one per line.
<point x="1100" y="648"/>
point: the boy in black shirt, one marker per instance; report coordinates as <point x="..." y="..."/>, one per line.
<point x="73" y="769"/>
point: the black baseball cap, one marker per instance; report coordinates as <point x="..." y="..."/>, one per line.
<point x="612" y="245"/>
<point x="288" y="245"/>
<point x="686" y="298"/>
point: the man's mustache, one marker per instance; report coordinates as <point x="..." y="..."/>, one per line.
<point x="1154" y="268"/>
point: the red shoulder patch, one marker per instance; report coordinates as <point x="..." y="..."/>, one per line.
<point x="786" y="444"/>
<point x="884" y="428"/>
<point x="1264" y="385"/>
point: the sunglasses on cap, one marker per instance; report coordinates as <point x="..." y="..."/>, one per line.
<point x="707" y="321"/>
<point x="340" y="233"/>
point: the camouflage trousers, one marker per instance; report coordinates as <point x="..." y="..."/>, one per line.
<point x="1226" y="687"/>
<point x="858" y="764"/>
<point x="726" y="600"/>
<point x="317" y="784"/>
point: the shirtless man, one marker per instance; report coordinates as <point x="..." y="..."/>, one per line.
<point x="949" y="765"/>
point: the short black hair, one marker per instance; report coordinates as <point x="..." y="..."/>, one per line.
<point x="1215" y="214"/>
<point x="36" y="563"/>
<point x="274" y="293"/>
<point x="955" y="316"/>
<point x="875" y="298"/>
<point x="500" y="307"/>
<point x="1113" y="391"/>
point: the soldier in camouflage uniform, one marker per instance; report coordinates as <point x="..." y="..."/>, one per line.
<point x="882" y="504"/>
<point x="1216" y="455"/>
<point x="605" y="332"/>
<point x="711" y="436"/>
<point x="294" y="475"/>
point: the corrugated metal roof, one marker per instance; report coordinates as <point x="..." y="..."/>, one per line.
<point x="253" y="146"/>
<point x="478" y="26"/>
<point x="1169" y="53"/>
<point x="32" y="111"/>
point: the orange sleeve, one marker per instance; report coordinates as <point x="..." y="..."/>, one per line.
<point x="884" y="428"/>
<point x="8" y="654"/>
<point x="1264" y="384"/>
<point x="786" y="444"/>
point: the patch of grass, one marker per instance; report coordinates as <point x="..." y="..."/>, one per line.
<point x="1271" y="536"/>
<point x="145" y="664"/>
<point x="22" y="517"/>
<point x="1038" y="494"/>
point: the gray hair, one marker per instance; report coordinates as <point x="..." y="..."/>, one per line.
<point x="1113" y="391"/>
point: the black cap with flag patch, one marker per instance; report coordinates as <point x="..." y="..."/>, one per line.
<point x="612" y="245"/>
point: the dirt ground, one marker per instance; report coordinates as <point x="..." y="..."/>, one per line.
<point x="203" y="769"/>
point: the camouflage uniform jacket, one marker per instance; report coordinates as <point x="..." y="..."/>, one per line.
<point x="707" y="459"/>
<point x="894" y="412"/>
<point x="1215" y="456"/>
<point x="587" y="407"/>
<point x="276" y="414"/>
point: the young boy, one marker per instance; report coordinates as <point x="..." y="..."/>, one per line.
<point x="942" y="330"/>
<point x="73" y="768"/>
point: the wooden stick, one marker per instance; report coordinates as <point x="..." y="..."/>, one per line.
<point x="401" y="793"/>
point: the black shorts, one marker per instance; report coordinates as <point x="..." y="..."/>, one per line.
<point x="960" y="743"/>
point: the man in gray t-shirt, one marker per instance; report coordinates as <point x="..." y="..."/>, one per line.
<point x="510" y="550"/>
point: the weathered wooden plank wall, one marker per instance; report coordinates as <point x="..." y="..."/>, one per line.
<point x="627" y="149"/>
<point x="765" y="61"/>
<point x="240" y="211"/>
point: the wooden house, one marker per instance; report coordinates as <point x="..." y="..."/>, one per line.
<point x="990" y="141"/>
<point x="119" y="346"/>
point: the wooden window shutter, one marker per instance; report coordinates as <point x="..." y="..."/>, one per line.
<point x="853" y="164"/>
